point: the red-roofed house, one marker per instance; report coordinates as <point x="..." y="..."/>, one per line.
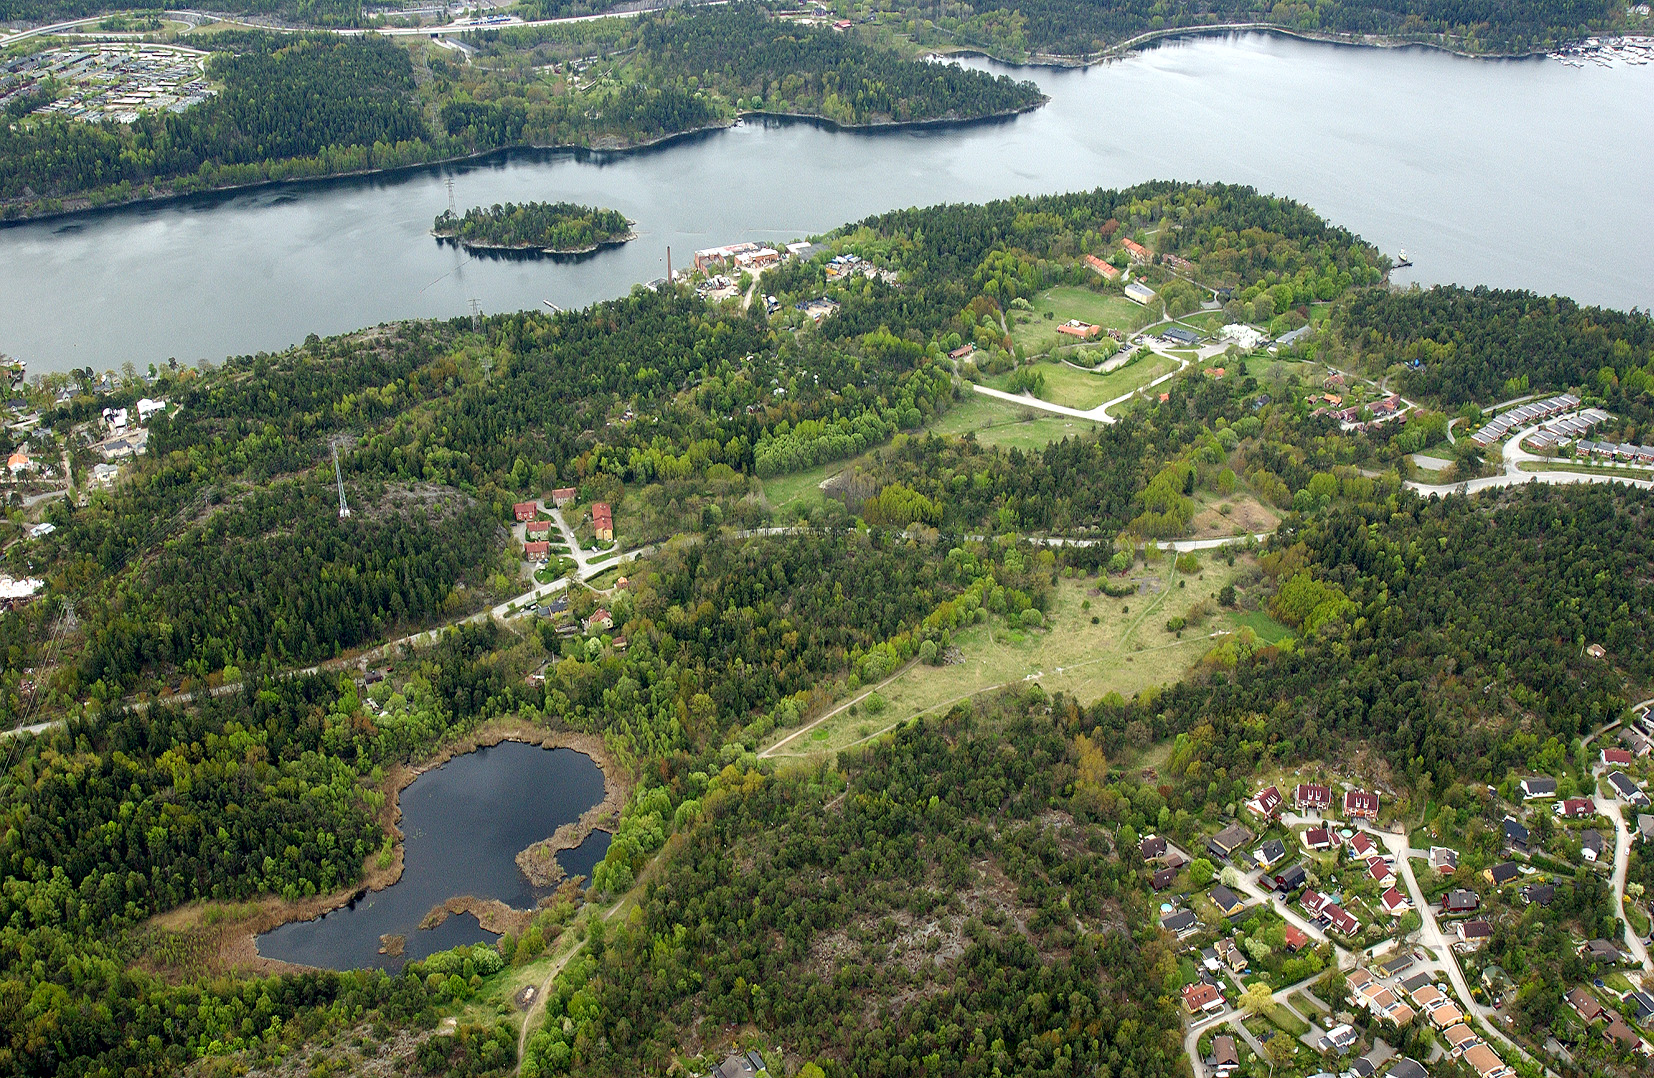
<point x="1576" y="807"/>
<point x="1137" y="251"/>
<point x="1202" y="997"/>
<point x="1075" y="328"/>
<point x="1337" y="917"/>
<point x="1109" y="272"/>
<point x="1319" y="838"/>
<point x="1295" y="938"/>
<point x="1362" y="845"/>
<point x="540" y="549"/>
<point x="524" y="511"/>
<point x="563" y="496"/>
<point x="600" y="619"/>
<point x="603" y="523"/>
<point x="538" y="527"/>
<point x="1616" y="756"/>
<point x="1266" y="802"/>
<point x="1394" y="902"/>
<point x="1361" y="805"/>
<point x="1311" y="795"/>
<point x="1380" y="871"/>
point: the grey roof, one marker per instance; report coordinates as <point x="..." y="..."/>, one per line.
<point x="1225" y="898"/>
<point x="1503" y="874"/>
<point x="1541" y="893"/>
<point x="1538" y="787"/>
<point x="1407" y="1068"/>
<point x="1591" y="840"/>
<point x="1515" y="832"/>
<point x="1622" y="783"/>
<point x="1273" y="850"/>
<point x="1179" y="922"/>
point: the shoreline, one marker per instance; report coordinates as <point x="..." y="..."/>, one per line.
<point x="234" y="927"/>
<point x="531" y="249"/>
<point x="603" y="147"/>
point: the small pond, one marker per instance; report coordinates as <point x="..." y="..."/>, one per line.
<point x="463" y="824"/>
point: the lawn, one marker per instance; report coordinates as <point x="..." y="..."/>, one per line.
<point x="1074" y="388"/>
<point x="1109" y="310"/>
<point x="1127" y="650"/>
<point x="1268" y="629"/>
<point x="1001" y="423"/>
<point x="803" y="487"/>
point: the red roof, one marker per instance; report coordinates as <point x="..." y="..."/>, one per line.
<point x="1295" y="938"/>
<point x="1200" y="996"/>
<point x="1393" y="900"/>
<point x="1101" y="267"/>
<point x="537" y="549"/>
<point x="1361" y="802"/>
<point x="525" y="510"/>
<point x="1135" y="248"/>
<point x="1309" y="793"/>
<point x="1616" y="756"/>
<point x="1362" y="843"/>
<point x="601" y="514"/>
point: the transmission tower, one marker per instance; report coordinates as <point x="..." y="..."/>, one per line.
<point x="451" y="208"/>
<point x="476" y="314"/>
<point x="338" y="477"/>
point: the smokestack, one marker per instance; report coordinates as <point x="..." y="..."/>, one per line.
<point x="668" y="265"/>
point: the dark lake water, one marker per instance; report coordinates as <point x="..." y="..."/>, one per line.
<point x="1514" y="173"/>
<point x="583" y="858"/>
<point x="463" y="825"/>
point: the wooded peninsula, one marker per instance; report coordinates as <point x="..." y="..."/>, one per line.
<point x="551" y="227"/>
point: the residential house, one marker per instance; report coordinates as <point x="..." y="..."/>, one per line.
<point x="1380" y="872"/>
<point x="1516" y="836"/>
<point x="1311" y="795"/>
<point x="18" y="463"/>
<point x="1179" y="335"/>
<point x="1618" y="1033"/>
<point x="1474" y="933"/>
<point x="1622" y="757"/>
<point x="1645" y="827"/>
<point x="1231" y="838"/>
<point x="563" y="496"/>
<point x="1231" y="956"/>
<point x="1319" y="838"/>
<point x="1416" y="982"/>
<point x="603" y="524"/>
<point x="1361" y="805"/>
<point x="1597" y="651"/>
<point x="1460" y="1039"/>
<point x="1626" y="788"/>
<point x="1270" y="853"/>
<point x="1533" y="788"/>
<point x="1265" y="802"/>
<point x="1540" y="894"/>
<point x="1394" y="902"/>
<point x="525" y="511"/>
<point x="537" y="529"/>
<point x="600" y="619"/>
<point x="1341" y="1036"/>
<point x="1501" y="874"/>
<point x="1225" y="1059"/>
<point x="1642" y="1005"/>
<point x="1591" y="844"/>
<point x="1227" y="902"/>
<point x="1445" y="1014"/>
<point x="1295" y="938"/>
<point x="1290" y="880"/>
<point x="1081" y="330"/>
<point x="1407" y="1068"/>
<point x="1163" y="878"/>
<point x="1182" y="922"/>
<point x="1363" y="846"/>
<point x="1356" y="980"/>
<point x="1137" y="251"/>
<point x="1202" y="998"/>
<point x="1586" y="1005"/>
<point x="1486" y="1062"/>
<point x="962" y="351"/>
<point x="1429" y="997"/>
<point x="1574" y="808"/>
<point x="539" y="550"/>
<point x="1108" y="271"/>
<point x="1600" y="950"/>
<point x="1444" y="859"/>
<point x="1460" y="901"/>
<point x="1340" y="919"/>
<point x="738" y="1065"/>
<point x="1153" y="846"/>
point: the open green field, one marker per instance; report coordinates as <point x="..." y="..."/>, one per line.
<point x="1074" y="388"/>
<point x="1039" y="334"/>
<point x="1000" y="423"/>
<point x="801" y="489"/>
<point x="1127" y="650"/>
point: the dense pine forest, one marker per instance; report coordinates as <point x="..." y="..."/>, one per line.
<point x="866" y="829"/>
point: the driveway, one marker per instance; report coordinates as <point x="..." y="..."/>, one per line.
<point x="1610" y="807"/>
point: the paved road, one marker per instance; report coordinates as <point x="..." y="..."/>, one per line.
<point x="1610" y="807"/>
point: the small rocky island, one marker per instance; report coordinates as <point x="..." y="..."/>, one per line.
<point x="562" y="228"/>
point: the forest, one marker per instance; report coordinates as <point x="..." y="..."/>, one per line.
<point x="1013" y="29"/>
<point x="547" y="226"/>
<point x="305" y="105"/>
<point x="302" y="12"/>
<point x="959" y="894"/>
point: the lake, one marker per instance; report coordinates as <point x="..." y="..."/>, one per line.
<point x="463" y="824"/>
<point x="1523" y="173"/>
